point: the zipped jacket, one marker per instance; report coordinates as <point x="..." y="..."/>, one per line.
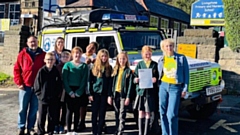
<point x="26" y="69"/>
<point x="126" y="83"/>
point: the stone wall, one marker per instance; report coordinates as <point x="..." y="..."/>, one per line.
<point x="10" y="50"/>
<point x="206" y="41"/>
<point x="230" y="64"/>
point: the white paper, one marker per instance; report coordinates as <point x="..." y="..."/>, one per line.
<point x="145" y="78"/>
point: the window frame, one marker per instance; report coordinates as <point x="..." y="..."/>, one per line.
<point x="14" y="12"/>
<point x="166" y="22"/>
<point x="3" y="12"/>
<point x="154" y="18"/>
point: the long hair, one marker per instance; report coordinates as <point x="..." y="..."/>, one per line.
<point x="97" y="67"/>
<point x="55" y="45"/>
<point x="117" y="66"/>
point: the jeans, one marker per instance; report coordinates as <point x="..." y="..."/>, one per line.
<point x="28" y="106"/>
<point x="169" y="101"/>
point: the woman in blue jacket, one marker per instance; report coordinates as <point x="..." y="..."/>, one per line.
<point x="174" y="78"/>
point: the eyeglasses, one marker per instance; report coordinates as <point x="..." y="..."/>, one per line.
<point x="49" y="59"/>
<point x="65" y="57"/>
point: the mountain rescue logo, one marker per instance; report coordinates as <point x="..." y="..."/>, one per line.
<point x="46" y="44"/>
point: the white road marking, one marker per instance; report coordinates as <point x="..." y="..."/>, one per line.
<point x="3" y="94"/>
<point x="221" y="123"/>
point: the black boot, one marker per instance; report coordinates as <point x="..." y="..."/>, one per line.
<point x="140" y="126"/>
<point x="146" y="129"/>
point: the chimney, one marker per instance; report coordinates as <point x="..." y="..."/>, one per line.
<point x="144" y="5"/>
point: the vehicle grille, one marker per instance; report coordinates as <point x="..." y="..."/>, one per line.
<point x="199" y="79"/>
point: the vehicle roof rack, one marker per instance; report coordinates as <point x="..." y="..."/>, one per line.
<point x="101" y="17"/>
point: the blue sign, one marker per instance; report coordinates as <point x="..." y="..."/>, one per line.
<point x="207" y="9"/>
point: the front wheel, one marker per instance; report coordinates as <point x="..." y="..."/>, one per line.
<point x="203" y="111"/>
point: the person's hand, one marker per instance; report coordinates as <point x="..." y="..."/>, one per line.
<point x="184" y="94"/>
<point x="154" y="79"/>
<point x="21" y="87"/>
<point x="90" y="98"/>
<point x="136" y="80"/>
<point x="73" y="95"/>
<point x="88" y="61"/>
<point x="109" y="100"/>
<point x="127" y="101"/>
<point x="93" y="60"/>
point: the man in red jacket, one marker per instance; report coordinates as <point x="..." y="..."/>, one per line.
<point x="29" y="61"/>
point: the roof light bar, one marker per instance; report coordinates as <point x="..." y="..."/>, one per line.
<point x="124" y="17"/>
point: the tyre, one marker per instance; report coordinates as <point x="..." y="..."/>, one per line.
<point x="203" y="111"/>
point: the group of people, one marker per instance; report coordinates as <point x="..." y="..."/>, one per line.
<point x="61" y="83"/>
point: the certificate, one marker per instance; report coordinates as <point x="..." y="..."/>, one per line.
<point x="145" y="78"/>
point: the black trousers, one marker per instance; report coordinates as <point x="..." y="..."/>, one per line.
<point x="43" y="111"/>
<point x="99" y="104"/>
<point x="120" y="112"/>
<point x="61" y="114"/>
<point x="73" y="107"/>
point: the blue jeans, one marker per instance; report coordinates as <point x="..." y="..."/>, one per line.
<point x="28" y="106"/>
<point x="169" y="100"/>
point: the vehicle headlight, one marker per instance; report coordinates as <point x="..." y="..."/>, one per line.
<point x="214" y="75"/>
<point x="222" y="84"/>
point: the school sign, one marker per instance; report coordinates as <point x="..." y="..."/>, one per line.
<point x="207" y="13"/>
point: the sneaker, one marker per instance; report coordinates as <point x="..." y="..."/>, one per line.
<point x="31" y="132"/>
<point x="21" y="132"/>
<point x="56" y="129"/>
<point x="61" y="130"/>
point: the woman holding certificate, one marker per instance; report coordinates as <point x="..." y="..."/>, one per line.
<point x="174" y="78"/>
<point x="145" y="78"/>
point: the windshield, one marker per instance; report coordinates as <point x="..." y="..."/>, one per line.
<point x="135" y="40"/>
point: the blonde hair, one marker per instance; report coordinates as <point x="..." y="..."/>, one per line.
<point x="76" y="48"/>
<point x="165" y="42"/>
<point x="146" y="48"/>
<point x="51" y="54"/>
<point x="117" y="66"/>
<point x="96" y="70"/>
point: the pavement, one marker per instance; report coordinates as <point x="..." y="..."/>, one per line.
<point x="230" y="105"/>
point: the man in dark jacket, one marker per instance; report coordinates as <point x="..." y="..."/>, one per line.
<point x="29" y="61"/>
<point x="48" y="88"/>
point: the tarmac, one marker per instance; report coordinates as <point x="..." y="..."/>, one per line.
<point x="230" y="105"/>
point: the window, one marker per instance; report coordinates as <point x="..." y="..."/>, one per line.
<point x="81" y="42"/>
<point x="135" y="40"/>
<point x="183" y="27"/>
<point x="154" y="21"/>
<point x="164" y="23"/>
<point x="14" y="13"/>
<point x="176" y="26"/>
<point x="2" y="10"/>
<point x="108" y="43"/>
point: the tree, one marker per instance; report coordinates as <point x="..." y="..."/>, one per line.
<point x="232" y="25"/>
<point x="185" y="5"/>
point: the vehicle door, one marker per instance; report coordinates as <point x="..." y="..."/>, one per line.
<point x="78" y="39"/>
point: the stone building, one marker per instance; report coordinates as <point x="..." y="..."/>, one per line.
<point x="10" y="9"/>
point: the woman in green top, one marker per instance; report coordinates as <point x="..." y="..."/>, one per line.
<point x="145" y="100"/>
<point x="75" y="76"/>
